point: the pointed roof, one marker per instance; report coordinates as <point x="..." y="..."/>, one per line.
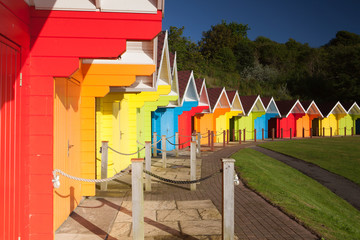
<point x="203" y="93"/>
<point x="235" y="101"/>
<point x="347" y="104"/>
<point x="214" y="95"/>
<point x="164" y="76"/>
<point x="270" y="105"/>
<point x="187" y="86"/>
<point x="231" y="95"/>
<point x="249" y="103"/>
<point x="289" y="106"/>
<point x="354" y="109"/>
<point x="218" y="98"/>
<point x="266" y="101"/>
<point x="331" y="107"/>
<point x="161" y="39"/>
<point x="199" y="82"/>
<point x="311" y="108"/>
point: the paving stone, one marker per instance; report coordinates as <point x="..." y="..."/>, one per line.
<point x="177" y="215"/>
<point x="203" y="227"/>
<point x="153" y="228"/>
<point x="210" y="214"/>
<point x="124" y="215"/>
<point x="152" y="205"/>
<point x="121" y="229"/>
<point x="195" y="204"/>
<point x="66" y="236"/>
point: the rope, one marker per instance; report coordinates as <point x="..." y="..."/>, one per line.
<point x="185" y="136"/>
<point x="126" y="154"/>
<point x="170" y="137"/>
<point x="178" y="144"/>
<point x="117" y="175"/>
<point x="219" y="134"/>
<point x="180" y="182"/>
<point x="159" y="149"/>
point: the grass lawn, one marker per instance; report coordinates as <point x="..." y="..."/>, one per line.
<point x="339" y="155"/>
<point x="300" y="196"/>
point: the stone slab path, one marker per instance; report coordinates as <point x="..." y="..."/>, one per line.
<point x="174" y="212"/>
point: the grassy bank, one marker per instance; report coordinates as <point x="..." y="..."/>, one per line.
<point x="338" y="155"/>
<point x="300" y="196"/>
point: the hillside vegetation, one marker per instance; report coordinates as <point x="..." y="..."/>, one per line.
<point x="225" y="56"/>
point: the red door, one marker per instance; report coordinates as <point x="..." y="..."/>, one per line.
<point x="10" y="167"/>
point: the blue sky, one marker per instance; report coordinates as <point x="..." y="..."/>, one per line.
<point x="307" y="21"/>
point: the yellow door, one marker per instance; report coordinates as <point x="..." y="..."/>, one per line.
<point x="66" y="147"/>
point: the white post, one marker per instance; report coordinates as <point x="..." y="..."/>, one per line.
<point x="148" y="166"/>
<point x="192" y="164"/>
<point x="177" y="144"/>
<point x="137" y="198"/>
<point x="104" y="164"/>
<point x="199" y="145"/>
<point x="163" y="148"/>
<point x="155" y="144"/>
<point x="228" y="198"/>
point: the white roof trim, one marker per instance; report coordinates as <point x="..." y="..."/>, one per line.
<point x="257" y="99"/>
<point x="223" y="91"/>
<point x="203" y="88"/>
<point x="164" y="55"/>
<point x="174" y="75"/>
<point x="272" y="100"/>
<point x="313" y="103"/>
<point x="355" y="105"/>
<point x="297" y="101"/>
<point x="338" y="103"/>
<point x="238" y="96"/>
<point x="191" y="80"/>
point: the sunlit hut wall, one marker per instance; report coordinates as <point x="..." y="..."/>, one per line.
<point x="351" y="121"/>
<point x="271" y="111"/>
<point x="204" y="100"/>
<point x="95" y="78"/>
<point x="333" y="112"/>
<point x="224" y="121"/>
<point x="189" y="99"/>
<point x="219" y="105"/>
<point x="163" y="80"/>
<point x="119" y="111"/>
<point x="52" y="95"/>
<point x="253" y="108"/>
<point x="162" y="119"/>
<point x="309" y="123"/>
<point x="290" y="112"/>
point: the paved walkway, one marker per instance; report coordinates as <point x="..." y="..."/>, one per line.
<point x="175" y="212"/>
<point x="341" y="186"/>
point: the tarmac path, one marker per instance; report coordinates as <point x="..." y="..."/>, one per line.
<point x="339" y="185"/>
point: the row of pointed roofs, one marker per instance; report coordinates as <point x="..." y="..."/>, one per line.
<point x="190" y="89"/>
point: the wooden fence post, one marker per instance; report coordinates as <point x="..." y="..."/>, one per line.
<point x="262" y="133"/>
<point x="163" y="148"/>
<point x="228" y="199"/>
<point x="148" y="165"/>
<point x="311" y="133"/>
<point x="239" y="136"/>
<point x="137" y="198"/>
<point x="212" y="141"/>
<point x="224" y="138"/>
<point x="330" y="131"/>
<point x="244" y="134"/>
<point x="176" y="144"/>
<point x="282" y="133"/>
<point x="227" y="136"/>
<point x="199" y="145"/>
<point x="193" y="165"/>
<point x="104" y="164"/>
<point x="273" y="134"/>
<point x="155" y="144"/>
<point x="255" y="134"/>
<point x="209" y="137"/>
<point x="290" y="133"/>
<point x="303" y="132"/>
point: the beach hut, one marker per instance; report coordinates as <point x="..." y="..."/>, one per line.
<point x="350" y="123"/>
<point x="204" y="101"/>
<point x="162" y="119"/>
<point x="290" y="112"/>
<point x="124" y="115"/>
<point x="228" y="118"/>
<point x="52" y="99"/>
<point x="309" y="123"/>
<point x="253" y="108"/>
<point x="219" y="105"/>
<point x="332" y="112"/>
<point x="271" y="111"/>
